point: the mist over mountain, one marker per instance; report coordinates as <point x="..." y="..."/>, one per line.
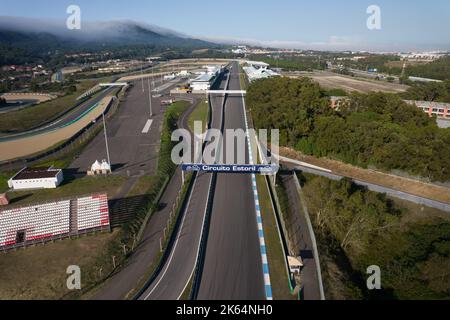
<point x="36" y="34"/>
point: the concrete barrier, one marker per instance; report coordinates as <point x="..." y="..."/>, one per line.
<point x="313" y="237"/>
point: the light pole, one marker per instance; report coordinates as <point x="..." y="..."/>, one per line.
<point x="150" y="98"/>
<point x="142" y="75"/>
<point x="106" y="141"/>
<point x="153" y="78"/>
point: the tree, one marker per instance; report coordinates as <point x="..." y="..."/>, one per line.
<point x="375" y="129"/>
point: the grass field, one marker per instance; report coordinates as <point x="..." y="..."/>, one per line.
<point x="4" y="177"/>
<point x="275" y="255"/>
<point x="110" y="184"/>
<point x="143" y="185"/>
<point x="200" y="113"/>
<point x="329" y="80"/>
<point x="28" y="118"/>
<point x="40" y="272"/>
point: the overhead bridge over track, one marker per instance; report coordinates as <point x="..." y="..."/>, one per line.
<point x="115" y="84"/>
<point x="229" y="92"/>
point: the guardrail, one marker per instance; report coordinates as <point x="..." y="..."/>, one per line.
<point x="171" y="239"/>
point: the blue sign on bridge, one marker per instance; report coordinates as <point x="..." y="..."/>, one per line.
<point x="219" y="168"/>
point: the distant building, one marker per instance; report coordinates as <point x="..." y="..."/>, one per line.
<point x="39" y="178"/>
<point x="58" y="77"/>
<point x="240" y="50"/>
<point x="438" y="109"/>
<point x="204" y="81"/>
<point x="258" y="70"/>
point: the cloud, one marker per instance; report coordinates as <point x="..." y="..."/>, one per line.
<point x="333" y="43"/>
<point x="89" y="30"/>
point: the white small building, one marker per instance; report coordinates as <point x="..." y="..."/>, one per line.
<point x="39" y="178"/>
<point x="98" y="168"/>
<point x="295" y="264"/>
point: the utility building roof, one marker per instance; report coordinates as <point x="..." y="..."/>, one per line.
<point x="36" y="173"/>
<point x="204" y="78"/>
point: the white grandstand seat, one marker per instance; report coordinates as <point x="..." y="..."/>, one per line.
<point x="92" y="212"/>
<point x="38" y="222"/>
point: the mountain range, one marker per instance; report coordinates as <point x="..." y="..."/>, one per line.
<point x="35" y="34"/>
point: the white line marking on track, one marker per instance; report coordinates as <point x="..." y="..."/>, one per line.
<point x="147" y="126"/>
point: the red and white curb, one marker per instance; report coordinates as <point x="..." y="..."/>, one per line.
<point x="262" y="242"/>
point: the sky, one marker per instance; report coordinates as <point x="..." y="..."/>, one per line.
<point x="409" y="25"/>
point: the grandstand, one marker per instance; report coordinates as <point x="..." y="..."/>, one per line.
<point x="24" y="226"/>
<point x="93" y="212"/>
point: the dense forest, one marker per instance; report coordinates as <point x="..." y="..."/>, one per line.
<point x="358" y="228"/>
<point x="380" y="62"/>
<point x="375" y="129"/>
<point x="439" y="69"/>
<point x="429" y="91"/>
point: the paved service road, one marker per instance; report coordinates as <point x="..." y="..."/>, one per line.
<point x="303" y="241"/>
<point x="133" y="140"/>
<point x="232" y="267"/>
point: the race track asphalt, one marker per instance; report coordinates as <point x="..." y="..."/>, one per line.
<point x="178" y="270"/>
<point x="65" y="119"/>
<point x="232" y="268"/>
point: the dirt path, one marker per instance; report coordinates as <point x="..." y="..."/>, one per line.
<point x="411" y="186"/>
